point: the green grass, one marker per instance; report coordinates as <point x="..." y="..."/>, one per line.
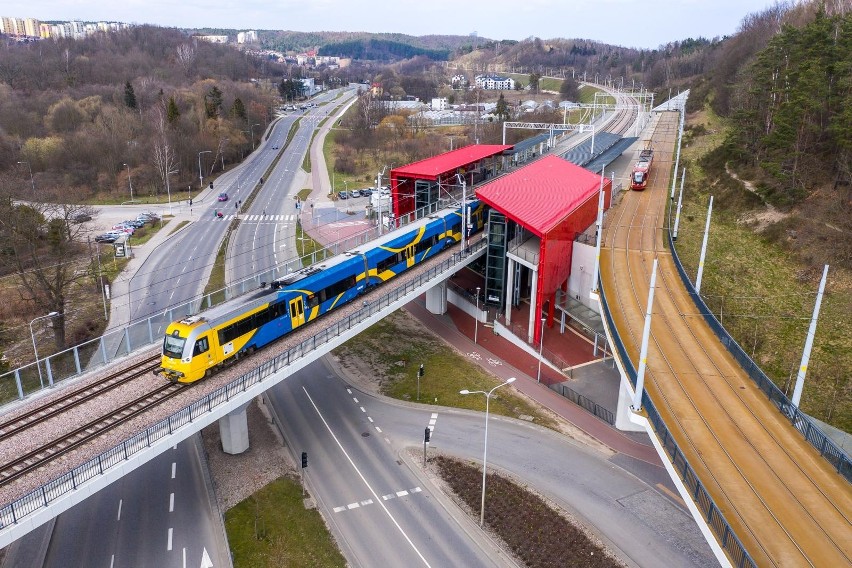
<point x="178" y="227"/>
<point x="272" y="528"/>
<point x="216" y="282"/>
<point x="395" y="348"/>
<point x="305" y="245"/>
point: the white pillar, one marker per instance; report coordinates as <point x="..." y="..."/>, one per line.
<point x="533" y="300"/>
<point x="599" y="225"/>
<point x="677" y="155"/>
<point x="703" y="248"/>
<point x="809" y="343"/>
<point x="679" y="202"/>
<point x="510" y="286"/>
<point x="233" y="429"/>
<point x="436" y="299"/>
<point x="643" y="352"/>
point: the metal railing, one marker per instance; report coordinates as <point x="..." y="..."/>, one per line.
<point x="715" y="519"/>
<point x="584" y="402"/>
<point x="18" y="510"/>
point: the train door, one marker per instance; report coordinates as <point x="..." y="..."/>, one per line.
<point x="409" y="256"/>
<point x="297" y="311"/>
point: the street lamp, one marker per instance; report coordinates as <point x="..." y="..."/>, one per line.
<point x="200" y="173"/>
<point x="476" y="325"/>
<point x="485" y="450"/>
<point x="540" y="348"/>
<point x="32" y="179"/>
<point x="129" y="182"/>
<point x="253" y="145"/>
<point x="35" y="349"/>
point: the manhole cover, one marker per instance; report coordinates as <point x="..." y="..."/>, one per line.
<point x="365" y="434"/>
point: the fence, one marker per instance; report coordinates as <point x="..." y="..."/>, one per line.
<point x="43" y="496"/>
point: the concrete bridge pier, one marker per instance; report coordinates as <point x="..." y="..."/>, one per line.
<point x="233" y="428"/>
<point x="436" y="299"/>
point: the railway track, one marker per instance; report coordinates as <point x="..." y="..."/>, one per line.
<point x="14" y="426"/>
<point x="782" y="500"/>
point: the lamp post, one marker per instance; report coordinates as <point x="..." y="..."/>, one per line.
<point x="485" y="450"/>
<point x="129" y="182"/>
<point x="476" y="324"/>
<point x="32" y="179"/>
<point x="253" y="145"/>
<point x="35" y="349"/>
<point x="200" y="173"/>
<point x="540" y="348"/>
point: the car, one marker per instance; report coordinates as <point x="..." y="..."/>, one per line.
<point x="106" y="238"/>
<point x="145" y="218"/>
<point x="355" y="193"/>
<point x="343" y="195"/>
<point x="135" y="223"/>
<point x="223" y="197"/>
<point x="121" y="227"/>
<point x="366" y="192"/>
<point x="275" y="147"/>
<point x="81" y="218"/>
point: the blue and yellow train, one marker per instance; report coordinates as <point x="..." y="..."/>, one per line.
<point x="199" y="345"/>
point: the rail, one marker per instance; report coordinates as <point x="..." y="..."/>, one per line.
<point x="801" y="421"/>
<point x="715" y="519"/>
<point x="18" y="510"/>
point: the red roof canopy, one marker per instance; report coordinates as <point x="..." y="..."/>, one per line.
<point x="431" y="168"/>
<point x="542" y="194"/>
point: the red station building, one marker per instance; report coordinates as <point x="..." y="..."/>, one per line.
<point x="542" y="208"/>
<point x="418" y="186"/>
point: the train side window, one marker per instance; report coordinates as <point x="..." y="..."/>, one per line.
<point x="201" y="346"/>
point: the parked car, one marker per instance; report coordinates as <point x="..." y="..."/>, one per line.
<point x="224" y="196"/>
<point x="81" y="218"/>
<point x="106" y="238"/>
<point x="123" y="229"/>
<point x="343" y="195"/>
<point x="135" y="223"/>
<point x="366" y="192"/>
<point x="355" y="193"/>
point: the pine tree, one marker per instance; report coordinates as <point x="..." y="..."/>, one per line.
<point x="172" y="112"/>
<point x="502" y="110"/>
<point x="129" y="96"/>
<point x="238" y="109"/>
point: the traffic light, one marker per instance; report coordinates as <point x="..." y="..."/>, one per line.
<point x="428" y="434"/>
<point x="421" y="371"/>
<point x="304" y="460"/>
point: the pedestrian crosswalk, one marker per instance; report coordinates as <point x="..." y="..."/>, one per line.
<point x="258" y="218"/>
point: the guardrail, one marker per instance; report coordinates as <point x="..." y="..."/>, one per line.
<point x="715" y="519"/>
<point x="802" y="422"/>
<point x="18" y="510"/>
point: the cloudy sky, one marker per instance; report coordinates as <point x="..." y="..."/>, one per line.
<point x="632" y="23"/>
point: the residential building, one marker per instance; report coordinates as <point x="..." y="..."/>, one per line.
<point x="495" y="83"/>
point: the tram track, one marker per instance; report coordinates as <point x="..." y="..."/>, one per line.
<point x="736" y="441"/>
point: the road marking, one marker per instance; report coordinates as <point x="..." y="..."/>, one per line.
<point x="339" y="509"/>
<point x="362" y="409"/>
<point x="375" y="495"/>
<point x="379" y="430"/>
<point x="349" y="391"/>
<point x="169" y="545"/>
<point x="174" y="467"/>
<point x="402" y="493"/>
<point x="352" y="506"/>
<point x="355" y="399"/>
<point x="370" y="419"/>
<point x="111" y="560"/>
<point x="119" y="510"/>
<point x="171" y="502"/>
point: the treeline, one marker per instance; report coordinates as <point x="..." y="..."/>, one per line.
<point x="381" y="50"/>
<point x="793" y="110"/>
<point x="302" y="41"/>
<point x="84" y="115"/>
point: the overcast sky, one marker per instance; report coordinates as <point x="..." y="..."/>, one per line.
<point x="631" y="23"/>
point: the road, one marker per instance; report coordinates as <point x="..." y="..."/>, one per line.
<point x="384" y="511"/>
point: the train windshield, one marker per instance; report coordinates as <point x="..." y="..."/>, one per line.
<point x="638" y="177"/>
<point x="173" y="346"/>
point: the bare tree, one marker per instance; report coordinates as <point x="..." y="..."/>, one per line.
<point x="165" y="157"/>
<point x="186" y="57"/>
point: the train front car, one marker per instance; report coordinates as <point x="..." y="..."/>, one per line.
<point x="187" y="352"/>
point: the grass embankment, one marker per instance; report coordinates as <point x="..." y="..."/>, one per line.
<point x="763" y="296"/>
<point x="393" y="350"/>
<point x="272" y="528"/>
<point x="216" y="282"/>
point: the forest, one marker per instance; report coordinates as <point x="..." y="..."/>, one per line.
<point x="84" y="116"/>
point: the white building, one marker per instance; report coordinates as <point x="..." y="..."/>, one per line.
<point x="214" y="38"/>
<point x="495" y="83"/>
<point x="440" y="103"/>
<point x="247" y="37"/>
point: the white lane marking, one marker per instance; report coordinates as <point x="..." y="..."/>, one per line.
<point x="111" y="561"/>
<point x="352" y="506"/>
<point x="366" y="502"/>
<point x="120" y="501"/>
<point x="352" y="463"/>
<point x="339" y="509"/>
<point x="379" y="430"/>
<point x="416" y="490"/>
<point x="349" y="391"/>
<point x="370" y="419"/>
<point x="174" y="467"/>
<point x="171" y="502"/>
<point x="402" y="493"/>
<point x="169" y="545"/>
<point x="355" y="399"/>
<point x="388" y="496"/>
<point x="362" y="409"/>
